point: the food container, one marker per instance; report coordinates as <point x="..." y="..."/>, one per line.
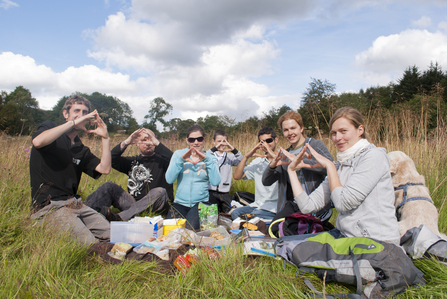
<point x="128" y="232"/>
<point x="203" y="238"/>
<point x="170" y="224"/>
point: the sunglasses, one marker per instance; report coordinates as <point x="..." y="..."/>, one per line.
<point x="192" y="139"/>
<point x="269" y="140"/>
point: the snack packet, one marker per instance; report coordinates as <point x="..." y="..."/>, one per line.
<point x="208" y="216"/>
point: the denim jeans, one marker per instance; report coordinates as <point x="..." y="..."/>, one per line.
<point x="263" y="214"/>
<point x="191" y="214"/>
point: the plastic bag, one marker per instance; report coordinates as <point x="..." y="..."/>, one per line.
<point x="208" y="215"/>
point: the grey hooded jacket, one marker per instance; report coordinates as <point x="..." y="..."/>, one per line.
<point x="365" y="202"/>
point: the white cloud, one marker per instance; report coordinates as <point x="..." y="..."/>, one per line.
<point x="390" y="55"/>
<point x="443" y="26"/>
<point x="6" y="4"/>
<point x="48" y="86"/>
<point x="194" y="52"/>
<point x="423" y="22"/>
<point x="162" y="34"/>
<point x="23" y="70"/>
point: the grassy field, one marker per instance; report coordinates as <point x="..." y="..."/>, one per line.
<point x="37" y="262"/>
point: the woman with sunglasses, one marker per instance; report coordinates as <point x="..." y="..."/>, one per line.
<point x="193" y="169"/>
<point x="358" y="183"/>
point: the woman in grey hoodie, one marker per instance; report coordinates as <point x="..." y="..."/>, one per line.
<point x="358" y="183"/>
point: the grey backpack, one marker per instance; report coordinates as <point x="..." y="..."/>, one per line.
<point x="378" y="269"/>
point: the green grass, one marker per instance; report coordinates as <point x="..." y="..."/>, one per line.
<point x="37" y="262"/>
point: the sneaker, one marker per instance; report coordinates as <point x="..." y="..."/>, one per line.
<point x="109" y="215"/>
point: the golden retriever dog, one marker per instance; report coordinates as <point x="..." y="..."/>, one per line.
<point x="414" y="212"/>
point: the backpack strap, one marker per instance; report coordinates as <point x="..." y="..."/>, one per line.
<point x="356" y="269"/>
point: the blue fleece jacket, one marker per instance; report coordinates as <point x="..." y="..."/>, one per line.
<point x="192" y="180"/>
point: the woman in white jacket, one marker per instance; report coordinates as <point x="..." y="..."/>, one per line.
<point x="358" y="183"/>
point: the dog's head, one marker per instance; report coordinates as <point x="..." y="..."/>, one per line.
<point x="403" y="170"/>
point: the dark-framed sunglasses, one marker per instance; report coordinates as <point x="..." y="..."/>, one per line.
<point x="192" y="139"/>
<point x="269" y="140"/>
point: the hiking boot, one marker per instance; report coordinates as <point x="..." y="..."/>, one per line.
<point x="109" y="215"/>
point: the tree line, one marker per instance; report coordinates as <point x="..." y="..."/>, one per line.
<point x="419" y="91"/>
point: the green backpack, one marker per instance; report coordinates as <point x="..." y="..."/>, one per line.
<point x="378" y="269"/>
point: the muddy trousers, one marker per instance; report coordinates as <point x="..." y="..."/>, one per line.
<point x="84" y="223"/>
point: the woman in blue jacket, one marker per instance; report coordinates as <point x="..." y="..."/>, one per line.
<point x="193" y="169"/>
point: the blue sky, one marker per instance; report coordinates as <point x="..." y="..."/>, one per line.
<point x="224" y="57"/>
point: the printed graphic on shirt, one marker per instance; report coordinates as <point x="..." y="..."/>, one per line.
<point x="138" y="177"/>
<point x="76" y="161"/>
<point x="188" y="166"/>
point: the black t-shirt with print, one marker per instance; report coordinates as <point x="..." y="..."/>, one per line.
<point x="56" y="169"/>
<point x="144" y="172"/>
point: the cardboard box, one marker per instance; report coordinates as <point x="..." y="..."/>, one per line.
<point x="157" y="223"/>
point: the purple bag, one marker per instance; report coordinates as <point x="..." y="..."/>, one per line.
<point x="296" y="224"/>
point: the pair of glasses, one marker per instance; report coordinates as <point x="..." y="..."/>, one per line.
<point x="268" y="140"/>
<point x="192" y="139"/>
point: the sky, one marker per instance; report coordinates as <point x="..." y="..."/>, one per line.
<point x="238" y="58"/>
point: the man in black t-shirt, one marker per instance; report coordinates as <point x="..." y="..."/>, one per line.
<point x="147" y="186"/>
<point x="57" y="161"/>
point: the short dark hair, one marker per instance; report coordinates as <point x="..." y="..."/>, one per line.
<point x="195" y="128"/>
<point x="221" y="133"/>
<point x="76" y="99"/>
<point x="267" y="130"/>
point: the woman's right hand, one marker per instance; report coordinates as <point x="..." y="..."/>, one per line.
<point x="322" y="160"/>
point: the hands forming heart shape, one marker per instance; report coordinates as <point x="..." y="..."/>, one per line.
<point x="193" y="156"/>
<point x="93" y="120"/>
<point x="298" y="163"/>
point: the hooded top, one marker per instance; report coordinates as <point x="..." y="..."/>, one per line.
<point x="192" y="180"/>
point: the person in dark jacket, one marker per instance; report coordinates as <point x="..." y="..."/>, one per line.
<point x="291" y="124"/>
<point x="146" y="186"/>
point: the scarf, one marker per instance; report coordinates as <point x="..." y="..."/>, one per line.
<point x="352" y="151"/>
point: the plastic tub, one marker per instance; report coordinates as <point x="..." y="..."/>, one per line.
<point x="203" y="238"/>
<point x="128" y="232"/>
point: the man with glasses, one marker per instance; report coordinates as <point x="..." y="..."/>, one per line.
<point x="146" y="185"/>
<point x="266" y="197"/>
